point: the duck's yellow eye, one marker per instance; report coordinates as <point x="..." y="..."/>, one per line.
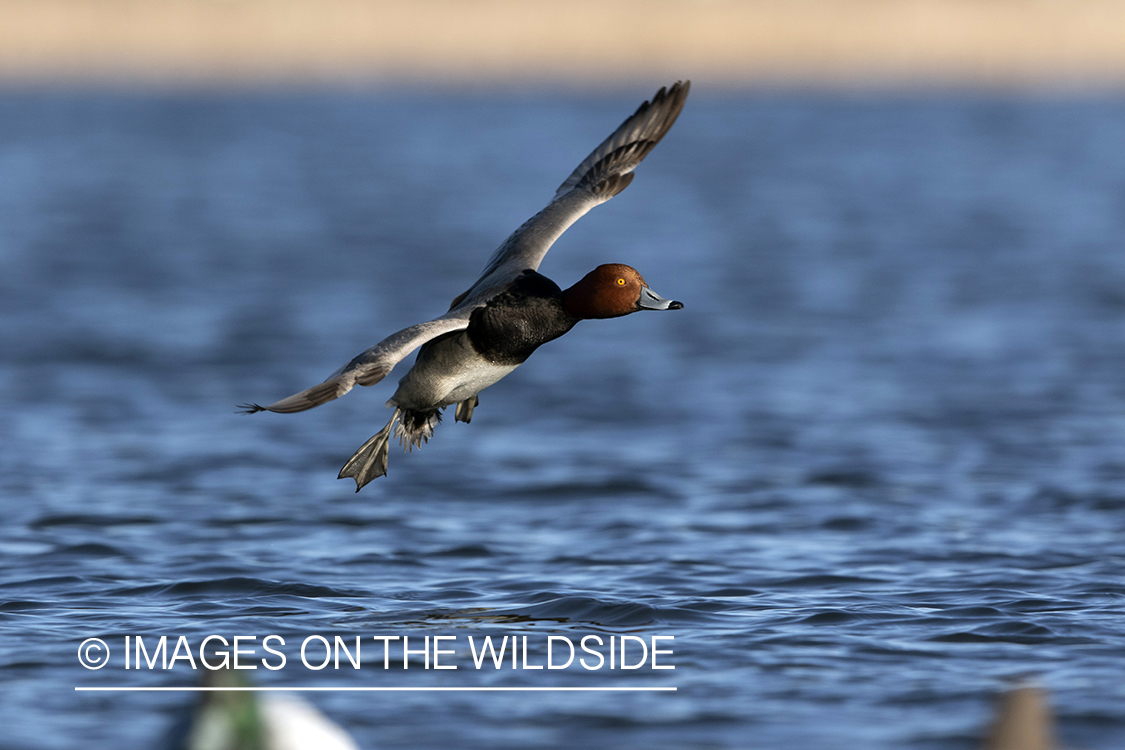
<point x="621" y="282"/>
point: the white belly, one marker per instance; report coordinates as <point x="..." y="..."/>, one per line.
<point x="447" y="372"/>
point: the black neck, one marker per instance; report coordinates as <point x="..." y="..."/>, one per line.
<point x="521" y="319"/>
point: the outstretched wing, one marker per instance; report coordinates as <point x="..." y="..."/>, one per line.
<point x="601" y="175"/>
<point x="368" y="368"/>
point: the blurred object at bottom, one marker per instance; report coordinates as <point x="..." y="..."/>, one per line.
<point x="1023" y="721"/>
<point x="251" y="720"/>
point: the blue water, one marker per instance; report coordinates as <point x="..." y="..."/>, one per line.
<point x="873" y="471"/>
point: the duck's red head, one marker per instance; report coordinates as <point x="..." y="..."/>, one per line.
<point x="613" y="290"/>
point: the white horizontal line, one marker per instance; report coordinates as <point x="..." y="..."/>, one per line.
<point x="371" y="689"/>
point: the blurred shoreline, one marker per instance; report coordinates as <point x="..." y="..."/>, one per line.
<point x="822" y="43"/>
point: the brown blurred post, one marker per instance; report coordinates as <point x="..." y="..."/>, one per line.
<point x="1023" y="721"/>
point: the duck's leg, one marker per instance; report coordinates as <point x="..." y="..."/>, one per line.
<point x="465" y="409"/>
<point x="370" y="461"/>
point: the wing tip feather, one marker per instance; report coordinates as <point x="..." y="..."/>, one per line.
<point x="647" y="125"/>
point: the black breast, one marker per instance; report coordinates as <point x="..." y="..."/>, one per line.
<point x="517" y="321"/>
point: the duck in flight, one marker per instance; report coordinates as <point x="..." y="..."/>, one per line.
<point x="509" y="312"/>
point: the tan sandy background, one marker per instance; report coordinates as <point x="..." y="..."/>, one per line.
<point x="990" y="43"/>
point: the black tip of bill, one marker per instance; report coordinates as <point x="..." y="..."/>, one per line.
<point x="650" y="300"/>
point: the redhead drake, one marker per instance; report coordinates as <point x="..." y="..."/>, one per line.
<point x="509" y="312"/>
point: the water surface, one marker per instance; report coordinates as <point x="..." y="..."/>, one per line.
<point x="874" y="470"/>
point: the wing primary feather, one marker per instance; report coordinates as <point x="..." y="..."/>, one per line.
<point x="367" y="368"/>
<point x="600" y="176"/>
<point x="650" y="123"/>
<point x="322" y="393"/>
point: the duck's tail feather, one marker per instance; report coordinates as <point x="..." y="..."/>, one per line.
<point x="416" y="427"/>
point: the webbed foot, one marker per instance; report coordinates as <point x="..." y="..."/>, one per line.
<point x="370" y="461"/>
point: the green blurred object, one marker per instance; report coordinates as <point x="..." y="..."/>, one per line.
<point x="251" y="720"/>
<point x="228" y="720"/>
